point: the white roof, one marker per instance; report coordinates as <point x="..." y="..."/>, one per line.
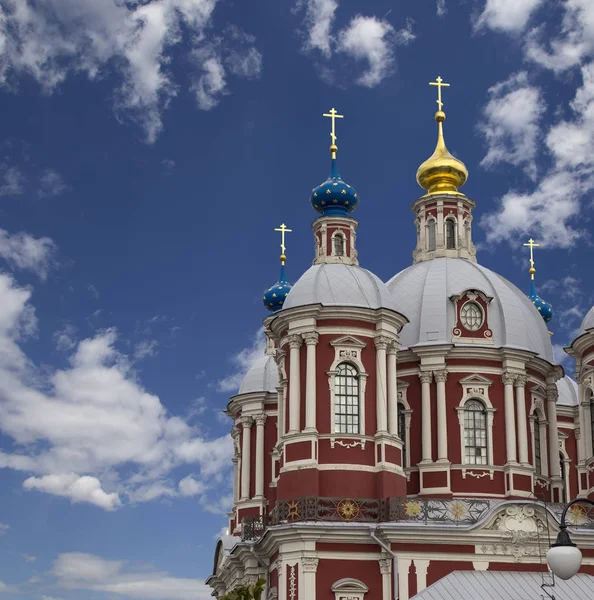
<point x="505" y="585"/>
<point x="262" y="377"/>
<point x="340" y="285"/>
<point x="422" y="293"/>
<point x="588" y="322"/>
<point x="568" y="391"/>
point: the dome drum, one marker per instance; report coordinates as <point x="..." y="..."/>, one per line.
<point x="335" y="240"/>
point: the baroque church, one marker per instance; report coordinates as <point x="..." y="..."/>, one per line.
<point x="413" y="438"/>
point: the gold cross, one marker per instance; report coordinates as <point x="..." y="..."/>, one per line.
<point x="439" y="83"/>
<point x="283" y="229"/>
<point x="333" y="115"/>
<point x="531" y="245"/>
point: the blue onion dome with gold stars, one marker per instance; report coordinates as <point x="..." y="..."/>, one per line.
<point x="274" y="297"/>
<point x="544" y="308"/>
<point x="334" y="197"/>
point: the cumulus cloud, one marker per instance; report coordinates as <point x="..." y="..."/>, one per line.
<point x="318" y="22"/>
<point x="242" y="361"/>
<point x="77" y="489"/>
<point x="51" y="184"/>
<point x="12" y="181"/>
<point x="146" y="349"/>
<point x="373" y="40"/>
<point x="51" y="41"/>
<point x="80" y="571"/>
<point x="90" y="432"/>
<point x="4" y="528"/>
<point x="507" y="15"/>
<point x="25" y="251"/>
<point x="65" y="338"/>
<point x="511" y="123"/>
<point x="441" y="8"/>
<point x="189" y="487"/>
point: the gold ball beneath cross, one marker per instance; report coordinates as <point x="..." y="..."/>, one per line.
<point x="440" y="116"/>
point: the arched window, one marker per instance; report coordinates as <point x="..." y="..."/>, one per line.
<point x="450" y="234"/>
<point x="431" y="243"/>
<point x="537" y="455"/>
<point x="338" y="241"/>
<point x="475" y="433"/>
<point x="346" y="405"/>
<point x="402" y="431"/>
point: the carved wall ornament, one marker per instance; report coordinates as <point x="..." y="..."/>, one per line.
<point x="508" y="378"/>
<point x="292" y="582"/>
<point x="260" y="419"/>
<point x="353" y="444"/>
<point x="477" y="475"/>
<point x="310" y="564"/>
<point x="311" y="337"/>
<point x="552" y="394"/>
<point x="246" y="422"/>
<point x="295" y="341"/>
<point x="385" y="565"/>
<point x="440" y="376"/>
<point x="382" y="342"/>
<point x="426" y="376"/>
<point x="520" y="381"/>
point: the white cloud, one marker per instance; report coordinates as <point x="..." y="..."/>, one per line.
<point x="511" y="123"/>
<point x="51" y="184"/>
<point x="242" y="361"/>
<point x="573" y="44"/>
<point x="12" y="182"/>
<point x="189" y="487"/>
<point x="65" y="338"/>
<point x="90" y="432"/>
<point x="319" y="18"/>
<point x="80" y="571"/>
<point x="50" y="598"/>
<point x="28" y="557"/>
<point x="24" y="251"/>
<point x="146" y="349"/>
<point x="441" y="8"/>
<point x="4" y="528"/>
<point x="51" y="41"/>
<point x="78" y="489"/>
<point x="507" y="15"/>
<point x="211" y="84"/>
<point x="3" y="586"/>
<point x="373" y="40"/>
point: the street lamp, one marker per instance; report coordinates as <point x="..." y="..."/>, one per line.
<point x="564" y="557"/>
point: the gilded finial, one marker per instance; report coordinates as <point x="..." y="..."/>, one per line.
<point x="442" y="172"/>
<point x="283" y="229"/>
<point x="532" y="245"/>
<point x="333" y="114"/>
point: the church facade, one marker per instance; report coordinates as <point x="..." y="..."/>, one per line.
<point x="394" y="433"/>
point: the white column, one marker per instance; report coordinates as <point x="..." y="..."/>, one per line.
<point x="442" y="427"/>
<point x="309" y="568"/>
<point x="279" y="359"/>
<point x="260" y="420"/>
<point x="392" y="391"/>
<point x="425" y="377"/>
<point x="440" y="233"/>
<point x="522" y="425"/>
<point x="381" y="383"/>
<point x="403" y="569"/>
<point x="311" y="339"/>
<point x="587" y="429"/>
<point x="294" y="384"/>
<point x="235" y="435"/>
<point x="421" y="565"/>
<point x="554" y="467"/>
<point x="510" y="417"/>
<point x="385" y="565"/>
<point x="246" y="462"/>
<point x="581" y="452"/>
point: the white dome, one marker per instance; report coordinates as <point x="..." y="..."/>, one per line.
<point x="340" y="285"/>
<point x="262" y="377"/>
<point x="568" y="391"/>
<point x="588" y="322"/>
<point x="422" y="293"/>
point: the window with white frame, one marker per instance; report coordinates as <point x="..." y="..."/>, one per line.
<point x="346" y="399"/>
<point x="475" y="433"/>
<point x="537" y="447"/>
<point x="338" y="244"/>
<point x="431" y="240"/>
<point x="450" y="234"/>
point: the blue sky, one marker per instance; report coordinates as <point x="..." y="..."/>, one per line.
<point x="147" y="151"/>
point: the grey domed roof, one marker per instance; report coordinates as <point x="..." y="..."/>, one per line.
<point x="262" y="377"/>
<point x="568" y="391"/>
<point x="422" y="293"/>
<point x="588" y="322"/>
<point x="340" y="285"/>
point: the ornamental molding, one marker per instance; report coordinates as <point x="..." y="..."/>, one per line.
<point x="508" y="378"/>
<point x="520" y="381"/>
<point x="385" y="565"/>
<point x="441" y="376"/>
<point x="353" y="444"/>
<point x="292" y="582"/>
<point x="295" y="341"/>
<point x="466" y="473"/>
<point x="552" y="394"/>
<point x="246" y="422"/>
<point x="543" y="483"/>
<point x="311" y="338"/>
<point x="382" y="342"/>
<point x="309" y="564"/>
<point x="348" y="340"/>
<point x="260" y="419"/>
<point x="426" y="376"/>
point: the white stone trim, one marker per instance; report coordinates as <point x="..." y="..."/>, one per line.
<point x="349" y="589"/>
<point x="402" y="399"/>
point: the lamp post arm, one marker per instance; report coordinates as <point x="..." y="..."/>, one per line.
<point x="563" y="524"/>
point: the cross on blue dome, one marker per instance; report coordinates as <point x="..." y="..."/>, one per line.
<point x="544" y="308"/>
<point x="334" y="197"/>
<point x="274" y="297"/>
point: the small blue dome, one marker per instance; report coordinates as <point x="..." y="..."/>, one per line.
<point x="274" y="297"/>
<point x="334" y="197"/>
<point x="544" y="308"/>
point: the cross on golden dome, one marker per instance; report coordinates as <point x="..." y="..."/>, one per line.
<point x="439" y="83"/>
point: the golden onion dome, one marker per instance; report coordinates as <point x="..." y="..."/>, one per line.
<point x="442" y="173"/>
